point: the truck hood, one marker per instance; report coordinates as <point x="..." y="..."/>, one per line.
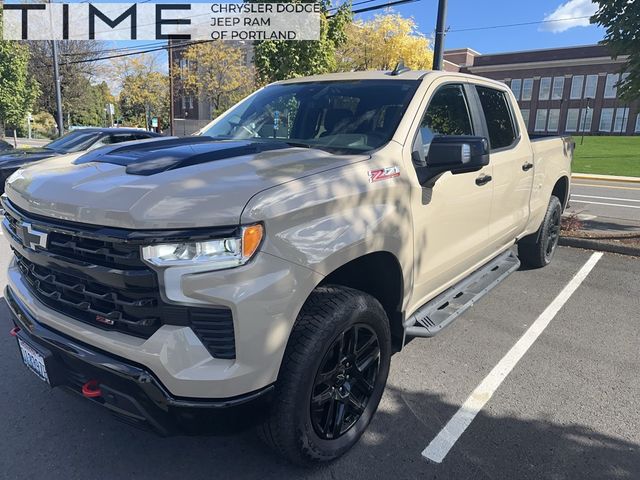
<point x="164" y="184"/>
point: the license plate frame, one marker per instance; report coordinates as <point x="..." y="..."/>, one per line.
<point x="34" y="360"/>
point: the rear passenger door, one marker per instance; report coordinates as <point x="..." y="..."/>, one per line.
<point x="512" y="162"/>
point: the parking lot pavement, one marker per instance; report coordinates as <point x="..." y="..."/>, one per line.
<point x="568" y="410"/>
<point x="606" y="205"/>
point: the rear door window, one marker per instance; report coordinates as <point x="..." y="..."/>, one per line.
<point x="502" y="131"/>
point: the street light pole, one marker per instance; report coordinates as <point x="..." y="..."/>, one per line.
<point x="438" y="48"/>
<point x="171" y="112"/>
<point x="56" y="83"/>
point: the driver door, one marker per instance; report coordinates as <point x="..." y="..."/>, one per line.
<point x="451" y="213"/>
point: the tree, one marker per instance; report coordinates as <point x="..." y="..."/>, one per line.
<point x="380" y="43"/>
<point x="75" y="78"/>
<point x="621" y="21"/>
<point x="218" y="72"/>
<point x="143" y="90"/>
<point x="280" y="60"/>
<point x="18" y="90"/>
<point x="92" y="112"/>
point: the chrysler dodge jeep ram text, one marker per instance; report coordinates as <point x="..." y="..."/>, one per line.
<point x="279" y="257"/>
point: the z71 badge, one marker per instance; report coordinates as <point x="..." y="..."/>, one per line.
<point x="383" y="174"/>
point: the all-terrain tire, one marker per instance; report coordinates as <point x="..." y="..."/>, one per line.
<point x="327" y="318"/>
<point x="537" y="250"/>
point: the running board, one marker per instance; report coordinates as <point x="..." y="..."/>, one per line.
<point x="438" y="313"/>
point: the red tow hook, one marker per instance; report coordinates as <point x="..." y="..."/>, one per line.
<point x="14" y="331"/>
<point x="91" y="389"/>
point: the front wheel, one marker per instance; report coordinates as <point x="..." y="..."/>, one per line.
<point x="332" y="377"/>
<point x="538" y="249"/>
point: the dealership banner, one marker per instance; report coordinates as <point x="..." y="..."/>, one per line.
<point x="162" y="21"/>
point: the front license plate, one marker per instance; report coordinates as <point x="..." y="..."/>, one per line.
<point x="33" y="360"/>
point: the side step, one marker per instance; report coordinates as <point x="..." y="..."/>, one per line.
<point x="438" y="313"/>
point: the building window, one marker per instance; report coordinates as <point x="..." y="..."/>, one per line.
<point x="525" y="116"/>
<point x="620" y="122"/>
<point x="190" y="99"/>
<point x="591" y="86"/>
<point x="558" y="87"/>
<point x="576" y="87"/>
<point x="638" y="123"/>
<point x="606" y="117"/>
<point x="545" y="88"/>
<point x="586" y="118"/>
<point x="541" y="120"/>
<point x="527" y="89"/>
<point x="516" y="87"/>
<point x="610" y="89"/>
<point x="553" y="120"/>
<point x="572" y="119"/>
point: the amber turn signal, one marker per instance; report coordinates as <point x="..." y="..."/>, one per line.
<point x="251" y="238"/>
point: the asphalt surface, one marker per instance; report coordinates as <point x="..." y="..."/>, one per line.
<point x="568" y="410"/>
<point x="605" y="205"/>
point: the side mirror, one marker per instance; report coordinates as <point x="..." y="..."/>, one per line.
<point x="455" y="154"/>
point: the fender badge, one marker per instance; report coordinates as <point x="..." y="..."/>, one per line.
<point x="383" y="174"/>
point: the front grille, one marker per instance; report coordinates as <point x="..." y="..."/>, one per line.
<point x="101" y="280"/>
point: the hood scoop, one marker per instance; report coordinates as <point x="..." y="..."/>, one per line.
<point x="156" y="156"/>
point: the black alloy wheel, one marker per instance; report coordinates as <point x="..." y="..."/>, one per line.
<point x="345" y="381"/>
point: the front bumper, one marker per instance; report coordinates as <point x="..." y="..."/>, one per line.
<point x="128" y="390"/>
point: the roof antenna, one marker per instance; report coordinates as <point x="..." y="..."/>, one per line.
<point x="399" y="68"/>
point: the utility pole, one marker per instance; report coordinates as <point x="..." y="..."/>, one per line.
<point x="56" y="82"/>
<point x="171" y="113"/>
<point x="440" y="33"/>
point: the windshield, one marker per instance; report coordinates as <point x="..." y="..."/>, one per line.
<point x="349" y="116"/>
<point x="73" y="142"/>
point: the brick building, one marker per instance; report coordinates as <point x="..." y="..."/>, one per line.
<point x="561" y="90"/>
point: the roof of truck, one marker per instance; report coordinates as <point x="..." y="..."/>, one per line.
<point x="366" y="75"/>
<point x="384" y="75"/>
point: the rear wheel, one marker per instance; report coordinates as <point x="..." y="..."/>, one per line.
<point x="537" y="250"/>
<point x="332" y="377"/>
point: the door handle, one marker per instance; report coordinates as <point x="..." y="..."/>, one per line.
<point x="527" y="166"/>
<point x="483" y="179"/>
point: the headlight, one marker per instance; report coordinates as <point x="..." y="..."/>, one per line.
<point x="15" y="176"/>
<point x="214" y="254"/>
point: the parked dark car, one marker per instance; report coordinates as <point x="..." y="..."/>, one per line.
<point x="4" y="146"/>
<point x="74" y="142"/>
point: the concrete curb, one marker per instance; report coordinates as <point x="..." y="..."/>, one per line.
<point x="605" y="178"/>
<point x="591" y="244"/>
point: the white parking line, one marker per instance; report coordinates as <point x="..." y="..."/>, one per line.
<point x="603" y="203"/>
<point x="605" y="198"/>
<point x="448" y="436"/>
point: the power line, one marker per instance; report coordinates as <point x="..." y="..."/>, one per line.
<point x="491" y="27"/>
<point x="165" y="47"/>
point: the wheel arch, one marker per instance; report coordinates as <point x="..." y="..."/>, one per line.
<point x="378" y="274"/>
<point x="561" y="190"/>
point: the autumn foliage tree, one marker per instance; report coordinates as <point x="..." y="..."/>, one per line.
<point x="380" y="43"/>
<point x="144" y="90"/>
<point x="217" y="72"/>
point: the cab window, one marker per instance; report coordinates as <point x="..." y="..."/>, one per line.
<point x="447" y="114"/>
<point x="502" y="132"/>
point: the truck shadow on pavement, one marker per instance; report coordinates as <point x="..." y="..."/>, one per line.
<point x="54" y="434"/>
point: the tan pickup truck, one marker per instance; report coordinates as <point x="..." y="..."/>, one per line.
<point x="272" y="264"/>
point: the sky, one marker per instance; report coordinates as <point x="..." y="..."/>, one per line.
<point x="566" y="24"/>
<point x="467" y="14"/>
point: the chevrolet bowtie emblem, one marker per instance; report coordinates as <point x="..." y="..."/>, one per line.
<point x="33" y="238"/>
